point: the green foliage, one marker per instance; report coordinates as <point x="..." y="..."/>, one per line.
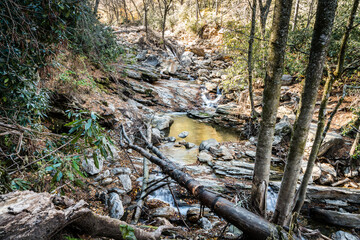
<point x="87" y="129"/>
<point x="127" y="232"/>
<point x="31" y="32"/>
<point x="236" y="44"/>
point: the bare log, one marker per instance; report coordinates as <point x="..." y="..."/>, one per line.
<point x="30" y="215"/>
<point x="253" y="226"/>
<point x="348" y="220"/>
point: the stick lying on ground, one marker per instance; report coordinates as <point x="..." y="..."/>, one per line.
<point x="253" y="226"/>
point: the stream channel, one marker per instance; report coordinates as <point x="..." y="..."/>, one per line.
<point x="198" y="132"/>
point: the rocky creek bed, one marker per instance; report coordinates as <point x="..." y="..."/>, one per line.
<point x="153" y="86"/>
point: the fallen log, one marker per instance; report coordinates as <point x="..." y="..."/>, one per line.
<point x="29" y="215"/>
<point x="253" y="226"/>
<point x="348" y="220"/>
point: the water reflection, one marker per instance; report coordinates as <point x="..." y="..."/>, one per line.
<point x="198" y="132"/>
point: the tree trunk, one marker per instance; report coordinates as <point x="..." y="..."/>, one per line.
<point x="30" y="215"/>
<point x="310" y="13"/>
<point x="296" y="14"/>
<point x="136" y="8"/>
<point x="146" y="19"/>
<point x="144" y="185"/>
<point x="322" y="31"/>
<point x="252" y="225"/>
<point x="271" y="97"/>
<point x="355" y="145"/>
<point x="125" y="11"/>
<point x="250" y="56"/>
<point x="264" y="12"/>
<point x="321" y="118"/>
<point x="96" y="6"/>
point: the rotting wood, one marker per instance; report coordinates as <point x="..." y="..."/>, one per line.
<point x="30" y="215"/>
<point x="253" y="226"/>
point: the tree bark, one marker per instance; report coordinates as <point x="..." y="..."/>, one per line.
<point x="271" y="97"/>
<point x="252" y="225"/>
<point x="321" y="117"/>
<point x="250" y="56"/>
<point x="322" y="31"/>
<point x="296" y="14"/>
<point x="264" y="12"/>
<point x="30" y="215"/>
<point x="310" y="13"/>
<point x="146" y="19"/>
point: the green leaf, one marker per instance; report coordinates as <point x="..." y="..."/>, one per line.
<point x="96" y="161"/>
<point x="88" y="124"/>
<point x="127" y="232"/>
<point x="93" y="115"/>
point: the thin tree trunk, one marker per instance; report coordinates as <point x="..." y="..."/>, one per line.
<point x="322" y="31"/>
<point x="296" y="14"/>
<point x="264" y="12"/>
<point x="146" y="19"/>
<point x="271" y="97"/>
<point x="353" y="148"/>
<point x="144" y="185"/>
<point x="136" y="8"/>
<point x="125" y="11"/>
<point x="310" y="13"/>
<point x="250" y="56"/>
<point x="341" y="57"/>
<point x="315" y="147"/>
<point x="321" y="118"/>
<point x="252" y="225"/>
<point x="96" y="6"/>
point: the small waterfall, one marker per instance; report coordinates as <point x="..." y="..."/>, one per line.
<point x="271" y="199"/>
<point x="210" y="103"/>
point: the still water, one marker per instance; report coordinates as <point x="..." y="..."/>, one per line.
<point x="198" y="132"/>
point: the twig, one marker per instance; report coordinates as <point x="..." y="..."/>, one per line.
<point x="37" y="160"/>
<point x="177" y="206"/>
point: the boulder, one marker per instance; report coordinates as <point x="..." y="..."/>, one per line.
<point x="115" y="206"/>
<point x="222" y="152"/>
<point x="156" y="203"/>
<point x="206" y="144"/>
<point x="341" y="235"/>
<point x="211" y="87"/>
<point x="202" y="72"/>
<point x="165" y="212"/>
<point x="198" y="51"/>
<point x="133" y="74"/>
<point x="228" y="109"/>
<point x="170" y="139"/>
<point x="183" y="134"/>
<point x="192" y="214"/>
<point x="287" y="80"/>
<point x="204" y="223"/>
<point x="205" y="157"/>
<point x="162" y="122"/>
<point x="120" y="170"/>
<point x="106" y="181"/>
<point x="189" y="145"/>
<point x="126" y="182"/>
<point x="153" y="61"/>
<point x="114" y="152"/>
<point x="284" y="111"/>
<point x="332" y="140"/>
<point x="89" y="165"/>
<point x="155" y="136"/>
<point x="200" y="115"/>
